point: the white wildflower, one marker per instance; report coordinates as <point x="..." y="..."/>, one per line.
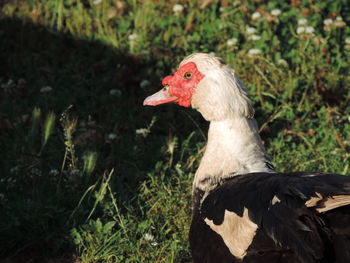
<point x="74" y="172"/>
<point x="142" y="131"/>
<point x="282" y="62"/>
<point x="346" y="142"/>
<point x="254" y="51"/>
<point x="10" y="84"/>
<point x="115" y="92"/>
<point x="309" y="30"/>
<point x="177" y="9"/>
<point x="14" y="170"/>
<point x="335" y="151"/>
<point x="150" y="238"/>
<point x="133" y="37"/>
<point x="97" y="2"/>
<point x="339" y="18"/>
<point x="339" y="23"/>
<point x="144" y="83"/>
<point x="250" y="30"/>
<point x="300" y="30"/>
<point x="54" y="172"/>
<point x="328" y="21"/>
<point x="276" y="12"/>
<point x="232" y="42"/>
<point x="45" y="89"/>
<point x="347" y="41"/>
<point x="236" y="3"/>
<point x="302" y="22"/>
<point x="112" y="136"/>
<point x="256" y="16"/>
<point x="11" y="180"/>
<point x="221" y="9"/>
<point x="35" y="171"/>
<point x="91" y="123"/>
<point x="254" y="37"/>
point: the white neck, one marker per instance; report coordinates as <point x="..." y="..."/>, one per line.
<point x="234" y="147"/>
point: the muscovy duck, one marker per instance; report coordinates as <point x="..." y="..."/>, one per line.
<point x="243" y="210"/>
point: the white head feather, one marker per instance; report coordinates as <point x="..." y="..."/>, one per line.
<point x="220" y="94"/>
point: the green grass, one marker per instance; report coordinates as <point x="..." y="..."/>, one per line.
<point x="89" y="174"/>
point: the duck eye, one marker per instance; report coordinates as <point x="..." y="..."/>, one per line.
<point x="188" y="75"/>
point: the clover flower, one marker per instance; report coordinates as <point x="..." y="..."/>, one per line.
<point x="309" y="30"/>
<point x="45" y="89"/>
<point x="232" y="42"/>
<point x="177" y="9"/>
<point x="150" y="238"/>
<point x="115" y="92"/>
<point x="305" y="30"/>
<point x="328" y="21"/>
<point x="250" y="30"/>
<point x="254" y="51"/>
<point x="112" y="136"/>
<point x="54" y="172"/>
<point x="133" y="37"/>
<point x="256" y="16"/>
<point x="282" y="62"/>
<point x="339" y="23"/>
<point x="300" y="30"/>
<point x="74" y="172"/>
<point x="276" y="12"/>
<point x="254" y="37"/>
<point x="14" y="170"/>
<point x="302" y="22"/>
<point x="142" y="132"/>
<point x="144" y="83"/>
<point x="35" y="171"/>
<point x="347" y="47"/>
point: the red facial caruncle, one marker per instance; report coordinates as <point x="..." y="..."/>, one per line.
<point x="178" y="88"/>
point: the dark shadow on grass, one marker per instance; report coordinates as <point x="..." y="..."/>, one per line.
<point x="35" y="204"/>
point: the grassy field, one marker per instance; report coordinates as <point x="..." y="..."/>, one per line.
<point x="90" y="175"/>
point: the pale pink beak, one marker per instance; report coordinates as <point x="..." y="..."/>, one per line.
<point x="160" y="97"/>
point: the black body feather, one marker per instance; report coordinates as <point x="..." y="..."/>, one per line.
<point x="288" y="230"/>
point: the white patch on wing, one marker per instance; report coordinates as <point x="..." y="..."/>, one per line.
<point x="333" y="202"/>
<point x="324" y="204"/>
<point x="237" y="232"/>
<point x="313" y="201"/>
<point x="275" y="200"/>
